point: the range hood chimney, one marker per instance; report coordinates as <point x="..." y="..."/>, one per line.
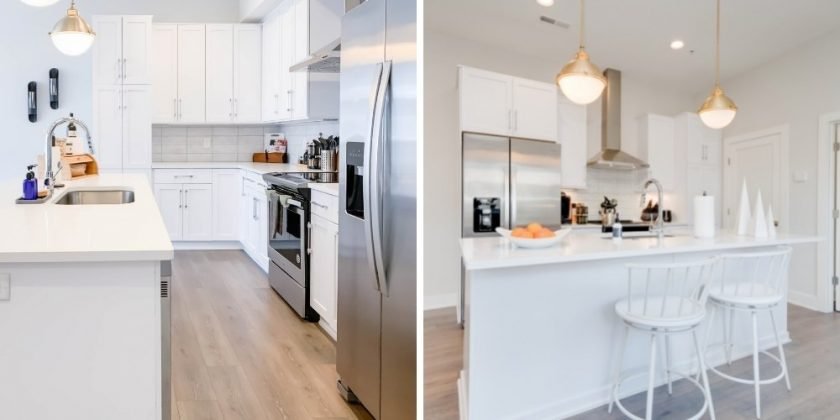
<point x="611" y="156"/>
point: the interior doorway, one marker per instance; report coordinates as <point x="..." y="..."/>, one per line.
<point x="836" y="217"/>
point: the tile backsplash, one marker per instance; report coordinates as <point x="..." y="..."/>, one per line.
<point x="623" y="186"/>
<point x="230" y="143"/>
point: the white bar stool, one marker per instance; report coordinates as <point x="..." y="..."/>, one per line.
<point x="663" y="300"/>
<point x="750" y="282"/>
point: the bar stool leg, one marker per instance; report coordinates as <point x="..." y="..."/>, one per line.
<point x="707" y="338"/>
<point x="756" y="372"/>
<point x="781" y="349"/>
<point x="725" y="319"/>
<point x="651" y="377"/>
<point x="668" y="364"/>
<point x="617" y="373"/>
<point x="706" y="388"/>
<point x="730" y="344"/>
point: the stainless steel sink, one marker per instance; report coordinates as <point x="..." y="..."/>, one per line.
<point x="72" y="198"/>
<point x="643" y="236"/>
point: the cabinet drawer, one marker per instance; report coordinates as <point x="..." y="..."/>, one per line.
<point x="183" y="176"/>
<point x="325" y="205"/>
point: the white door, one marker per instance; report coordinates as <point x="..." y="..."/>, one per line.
<point x="137" y="46"/>
<point x="534" y="110"/>
<point x="191" y="73"/>
<point x="107" y="127"/>
<point x="247" y="65"/>
<point x="170" y="199"/>
<point x="271" y="70"/>
<point x="198" y="212"/>
<point x="226" y="198"/>
<point x="758" y="160"/>
<point x="219" y="70"/>
<point x="164" y="55"/>
<point x="287" y="58"/>
<point x="485" y="102"/>
<point x="571" y="134"/>
<point x="300" y="80"/>
<point x="107" y="50"/>
<point x="137" y="127"/>
<point x="324" y="274"/>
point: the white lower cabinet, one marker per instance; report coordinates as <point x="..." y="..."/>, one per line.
<point x="254" y="222"/>
<point x="227" y="186"/>
<point x="186" y="210"/>
<point x="324" y="272"/>
<point x="169" y="198"/>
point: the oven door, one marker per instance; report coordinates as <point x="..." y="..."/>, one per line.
<point x="287" y="236"/>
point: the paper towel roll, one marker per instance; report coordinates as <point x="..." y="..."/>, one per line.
<point x="704" y="216"/>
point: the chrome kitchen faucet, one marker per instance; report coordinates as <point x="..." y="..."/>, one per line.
<point x="49" y="176"/>
<point x="659" y="225"/>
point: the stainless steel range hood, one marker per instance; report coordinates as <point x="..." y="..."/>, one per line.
<point x="325" y="60"/>
<point x="611" y="156"/>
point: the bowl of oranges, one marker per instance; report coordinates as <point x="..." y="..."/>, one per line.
<point x="534" y="235"/>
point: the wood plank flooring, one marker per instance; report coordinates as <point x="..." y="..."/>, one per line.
<point x="240" y="353"/>
<point x="813" y="361"/>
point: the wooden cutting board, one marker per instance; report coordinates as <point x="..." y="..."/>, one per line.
<point x="268" y="157"/>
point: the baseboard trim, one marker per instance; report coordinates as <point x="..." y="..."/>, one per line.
<point x="440" y="301"/>
<point x="807" y="301"/>
<point x="206" y="245"/>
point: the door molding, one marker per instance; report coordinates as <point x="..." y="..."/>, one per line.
<point x="783" y="131"/>
<point x="825" y="199"/>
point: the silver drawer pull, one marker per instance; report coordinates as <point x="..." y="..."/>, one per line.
<point x="184" y="176"/>
<point x="321" y="205"/>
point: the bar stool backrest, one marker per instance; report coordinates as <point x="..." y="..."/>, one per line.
<point x="668" y="291"/>
<point x="753" y="274"/>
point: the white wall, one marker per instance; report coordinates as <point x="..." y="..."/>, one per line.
<point x="794" y="89"/>
<point x="28" y="55"/>
<point x="442" y="206"/>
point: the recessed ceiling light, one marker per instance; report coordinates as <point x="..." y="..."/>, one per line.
<point x="546" y="3"/>
<point x="677" y="44"/>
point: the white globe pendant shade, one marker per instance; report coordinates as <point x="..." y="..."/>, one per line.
<point x="72" y="35"/>
<point x="40" y="3"/>
<point x="580" y="80"/>
<point x="718" y="110"/>
<point x="717" y="119"/>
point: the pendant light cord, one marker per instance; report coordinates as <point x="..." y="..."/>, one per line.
<point x="717" y="47"/>
<point x="581" y="25"/>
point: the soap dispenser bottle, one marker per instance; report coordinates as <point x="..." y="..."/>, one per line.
<point x="30" y="184"/>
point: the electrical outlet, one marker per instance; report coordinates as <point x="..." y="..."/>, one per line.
<point x="5" y="286"/>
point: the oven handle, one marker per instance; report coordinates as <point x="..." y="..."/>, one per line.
<point x="367" y="194"/>
<point x="377" y="168"/>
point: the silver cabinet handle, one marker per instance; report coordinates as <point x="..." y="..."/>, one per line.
<point x="183" y="176"/>
<point x="124" y="68"/>
<point x="289" y="93"/>
<point x="254" y="207"/>
<point x="276" y="103"/>
<point x="186" y="199"/>
<point x="236" y="108"/>
<point x="180" y="107"/>
<point x="309" y="238"/>
<point x="175" y="108"/>
<point x="515" y="120"/>
<point x="319" y="205"/>
<point x="180" y="199"/>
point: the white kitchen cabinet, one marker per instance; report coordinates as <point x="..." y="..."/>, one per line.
<point x="198" y="212"/>
<point x="300" y="80"/>
<point x="219" y="71"/>
<point x="165" y="73"/>
<point x="107" y="126"/>
<point x="227" y="187"/>
<point x="698" y="165"/>
<point x="287" y="59"/>
<point x="233" y="73"/>
<point x="191" y="73"/>
<point x="271" y="69"/>
<point x="703" y="144"/>
<point x="247" y="72"/>
<point x="170" y="202"/>
<point x="493" y="103"/>
<point x="571" y="134"/>
<point x="658" y="148"/>
<point x="122" y="130"/>
<point x="122" y="48"/>
<point x="324" y="272"/>
<point x="254" y="219"/>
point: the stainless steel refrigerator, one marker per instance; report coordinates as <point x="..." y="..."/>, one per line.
<point x="509" y="182"/>
<point x="377" y="283"/>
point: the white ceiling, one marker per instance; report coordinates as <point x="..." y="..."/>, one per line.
<point x="634" y="35"/>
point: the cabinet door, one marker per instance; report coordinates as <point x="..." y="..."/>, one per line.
<point x="287" y="58"/>
<point x="571" y="134"/>
<point x="198" y="212"/>
<point x="485" y="102"/>
<point x="137" y="127"/>
<point x="247" y="63"/>
<point x="219" y="69"/>
<point x="137" y="42"/>
<point x="713" y="149"/>
<point x="261" y="226"/>
<point x="165" y="73"/>
<point x="170" y="202"/>
<point x="271" y="70"/>
<point x="246" y="219"/>
<point x="107" y="50"/>
<point x="191" y="73"/>
<point x="657" y="137"/>
<point x="107" y="126"/>
<point x="300" y="80"/>
<point x="534" y="110"/>
<point x="323" y="271"/>
<point x="226" y="199"/>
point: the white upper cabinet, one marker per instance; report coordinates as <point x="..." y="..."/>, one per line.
<point x="300" y="80"/>
<point x="571" y="134"/>
<point x="107" y="126"/>
<point x="493" y="103"/>
<point x="121" y="55"/>
<point x="136" y="127"/>
<point x="287" y="59"/>
<point x="271" y="69"/>
<point x="657" y="143"/>
<point x="191" y="73"/>
<point x="703" y="144"/>
<point x="247" y="71"/>
<point x="219" y="73"/>
<point x="165" y="73"/>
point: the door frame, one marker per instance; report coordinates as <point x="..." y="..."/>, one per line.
<point x="783" y="131"/>
<point x="825" y="206"/>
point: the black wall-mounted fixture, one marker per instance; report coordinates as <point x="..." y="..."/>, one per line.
<point x="32" y="101"/>
<point x="54" y="88"/>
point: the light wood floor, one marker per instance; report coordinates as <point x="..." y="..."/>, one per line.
<point x="239" y="352"/>
<point x="813" y="359"/>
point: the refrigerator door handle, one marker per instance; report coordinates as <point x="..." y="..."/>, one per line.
<point x="507" y="220"/>
<point x="378" y="165"/>
<point x="512" y="197"/>
<point x="368" y="174"/>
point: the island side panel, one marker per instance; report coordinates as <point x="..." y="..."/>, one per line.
<point x="81" y="341"/>
<point x="541" y="341"/>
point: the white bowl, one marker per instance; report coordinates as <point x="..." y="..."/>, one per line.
<point x="534" y="243"/>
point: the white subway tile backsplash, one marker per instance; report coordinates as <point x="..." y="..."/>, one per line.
<point x="225" y="157"/>
<point x="225" y="131"/>
<point x="199" y="131"/>
<point x="199" y="145"/>
<point x="174" y="148"/>
<point x="250" y="131"/>
<point x="174" y="131"/>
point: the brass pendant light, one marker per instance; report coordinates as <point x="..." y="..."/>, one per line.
<point x="718" y="110"/>
<point x="580" y="80"/>
<point x="72" y="35"/>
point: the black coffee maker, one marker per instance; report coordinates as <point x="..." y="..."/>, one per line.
<point x="565" y="208"/>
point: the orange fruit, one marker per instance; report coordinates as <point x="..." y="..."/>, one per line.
<point x="534" y="227"/>
<point x="519" y="232"/>
<point x="545" y="233"/>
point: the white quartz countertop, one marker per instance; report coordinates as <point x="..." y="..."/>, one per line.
<point x="255" y="167"/>
<point x="326" y="188"/>
<point x="34" y="233"/>
<point x="583" y="245"/>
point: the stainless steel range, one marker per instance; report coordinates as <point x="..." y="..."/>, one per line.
<point x="289" y="232"/>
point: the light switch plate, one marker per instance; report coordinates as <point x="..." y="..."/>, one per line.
<point x="800" y="176"/>
<point x="5" y="287"/>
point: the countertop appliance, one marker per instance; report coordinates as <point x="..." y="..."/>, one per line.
<point x="519" y="178"/>
<point x="288" y="237"/>
<point x="377" y="280"/>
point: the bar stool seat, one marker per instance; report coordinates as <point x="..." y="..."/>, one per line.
<point x="679" y="313"/>
<point x="763" y="296"/>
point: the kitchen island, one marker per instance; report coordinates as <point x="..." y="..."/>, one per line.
<point x="83" y="324"/>
<point x="541" y="334"/>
